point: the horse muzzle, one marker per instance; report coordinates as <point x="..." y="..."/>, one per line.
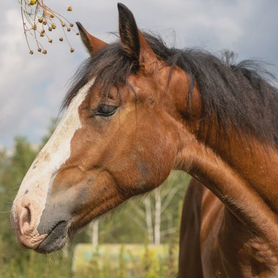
<point x="41" y="233"/>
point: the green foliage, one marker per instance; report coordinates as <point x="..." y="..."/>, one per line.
<point x="16" y="261"/>
<point x="126" y="260"/>
<point x="127" y="225"/>
<point x="13" y="170"/>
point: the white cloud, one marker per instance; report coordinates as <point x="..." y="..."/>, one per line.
<point x="32" y="87"/>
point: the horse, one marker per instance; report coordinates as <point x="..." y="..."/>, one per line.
<point x="138" y="109"/>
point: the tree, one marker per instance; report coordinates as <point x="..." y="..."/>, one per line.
<point x="158" y="212"/>
<point x="16" y="261"/>
<point x="93" y="231"/>
<point x="22" y="158"/>
<point x="12" y="169"/>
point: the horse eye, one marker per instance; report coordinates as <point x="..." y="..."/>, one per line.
<point x="106" y="110"/>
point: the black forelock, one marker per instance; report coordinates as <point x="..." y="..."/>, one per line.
<point x="238" y="95"/>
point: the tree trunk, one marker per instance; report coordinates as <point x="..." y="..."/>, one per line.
<point x="157" y="216"/>
<point x="95" y="233"/>
<point x="149" y="222"/>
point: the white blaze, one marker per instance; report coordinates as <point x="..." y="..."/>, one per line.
<point x="38" y="179"/>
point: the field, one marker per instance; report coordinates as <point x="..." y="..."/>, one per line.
<point x="125" y="260"/>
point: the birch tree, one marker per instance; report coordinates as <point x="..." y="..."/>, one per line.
<point x="148" y="218"/>
<point x="157" y="216"/>
<point x="95" y="232"/>
<point x="152" y="213"/>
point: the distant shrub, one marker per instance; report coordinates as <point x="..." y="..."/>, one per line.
<point x="128" y="260"/>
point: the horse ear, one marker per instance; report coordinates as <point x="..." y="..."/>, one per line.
<point x="93" y="44"/>
<point x="129" y="33"/>
<point x="133" y="42"/>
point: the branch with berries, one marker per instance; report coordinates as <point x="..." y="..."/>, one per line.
<point x="41" y="24"/>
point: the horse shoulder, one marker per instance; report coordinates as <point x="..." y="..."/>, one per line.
<point x="228" y="248"/>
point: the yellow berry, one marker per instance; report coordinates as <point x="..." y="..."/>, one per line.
<point x="33" y="2"/>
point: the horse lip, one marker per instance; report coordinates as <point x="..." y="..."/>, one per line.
<point x="55" y="239"/>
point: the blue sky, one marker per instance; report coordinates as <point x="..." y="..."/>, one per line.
<point x="32" y="87"/>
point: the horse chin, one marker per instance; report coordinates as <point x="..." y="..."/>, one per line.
<point x="55" y="240"/>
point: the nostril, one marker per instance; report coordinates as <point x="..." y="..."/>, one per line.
<point x="28" y="215"/>
<point x="25" y="220"/>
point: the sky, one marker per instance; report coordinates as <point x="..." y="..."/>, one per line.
<point x="32" y="87"/>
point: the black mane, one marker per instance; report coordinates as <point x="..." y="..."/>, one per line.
<point x="236" y="95"/>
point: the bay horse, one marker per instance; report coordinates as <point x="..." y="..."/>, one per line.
<point x="139" y="109"/>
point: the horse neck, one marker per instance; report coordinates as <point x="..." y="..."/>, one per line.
<point x="235" y="172"/>
<point x="250" y="158"/>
